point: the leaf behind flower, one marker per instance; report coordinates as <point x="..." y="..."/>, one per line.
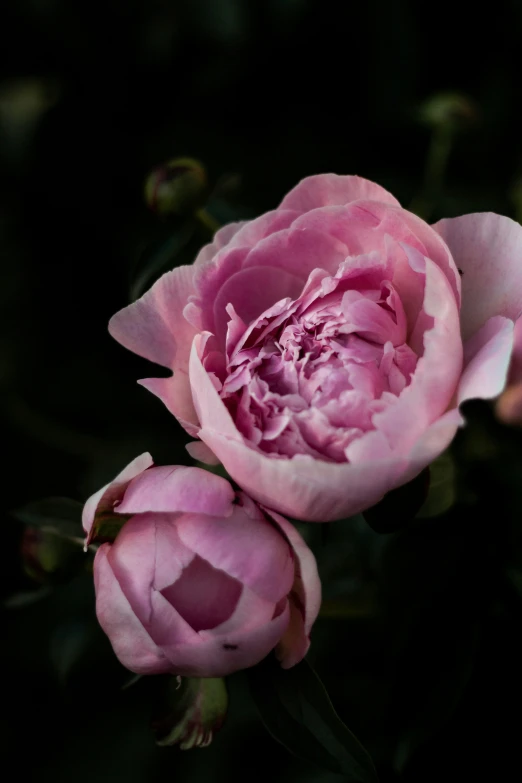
<point x="297" y="711"/>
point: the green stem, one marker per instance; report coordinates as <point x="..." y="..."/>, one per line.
<point x="434" y="172"/>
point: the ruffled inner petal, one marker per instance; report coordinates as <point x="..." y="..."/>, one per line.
<point x="309" y="374"/>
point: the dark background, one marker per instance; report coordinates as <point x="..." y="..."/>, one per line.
<point x="92" y="96"/>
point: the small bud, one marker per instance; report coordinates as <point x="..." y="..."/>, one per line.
<point x="192" y="710"/>
<point x="178" y="187"/>
<point x="449" y="109"/>
<point x="48" y="558"/>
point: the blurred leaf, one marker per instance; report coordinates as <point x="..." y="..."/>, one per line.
<point x="56" y="516"/>
<point x="399" y="506"/>
<point x="442" y="491"/>
<point x="191" y="711"/>
<point x="28" y="598"/>
<point x="68" y="645"/>
<point x="438" y="688"/>
<point x="160" y="257"/>
<point x="298" y="713"/>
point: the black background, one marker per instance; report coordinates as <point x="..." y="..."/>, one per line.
<point x="92" y="96"/>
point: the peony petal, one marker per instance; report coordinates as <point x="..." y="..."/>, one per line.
<point x="302" y="487"/>
<point x="217" y="656"/>
<point x="251" y="292"/>
<point x="305" y="599"/>
<point x="327" y="189"/>
<point x="106" y="497"/>
<point x="203" y="392"/>
<point x="154" y="326"/>
<point x="146" y="558"/>
<point x="437" y="374"/>
<point x="295" y="642"/>
<point x="298" y="251"/>
<point x="366" y="226"/>
<point x="431" y="444"/>
<point x="249" y="549"/>
<point x="174" y="489"/>
<point x="221" y="238"/>
<point x="201" y="452"/>
<point x="263" y="226"/>
<point x="487" y="248"/>
<point x="204" y="596"/>
<point x="176" y="395"/>
<point x="486" y="360"/>
<point x="251" y="611"/>
<point x="131" y="642"/>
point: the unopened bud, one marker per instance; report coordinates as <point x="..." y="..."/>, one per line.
<point x="48" y="558"/>
<point x="449" y="109"/>
<point x="178" y="187"/>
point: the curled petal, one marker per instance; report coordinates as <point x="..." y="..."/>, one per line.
<point x="486" y="360"/>
<point x="106" y="497"/>
<point x="487" y="248"/>
<point x="154" y="326"/>
<point x="131" y="642"/>
<point x="305" y="598"/>
<point x="175" y="489"/>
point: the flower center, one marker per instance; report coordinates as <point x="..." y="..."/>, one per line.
<point x="309" y="375"/>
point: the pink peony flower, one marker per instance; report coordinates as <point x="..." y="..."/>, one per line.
<point x="199" y="581"/>
<point x="320" y="352"/>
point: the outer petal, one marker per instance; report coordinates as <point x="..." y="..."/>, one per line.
<point x="201" y="452"/>
<point x="487" y="355"/>
<point x="488" y="250"/>
<point x="218" y="656"/>
<point x="146" y="558"/>
<point x="302" y="487"/>
<point x="107" y="496"/>
<point x="174" y="489"/>
<point x="220" y="240"/>
<point x="307" y="583"/>
<point x="305" y="600"/>
<point x="154" y="327"/>
<point x="431" y="444"/>
<point x="131" y="643"/>
<point x="438" y="370"/>
<point x="322" y="190"/>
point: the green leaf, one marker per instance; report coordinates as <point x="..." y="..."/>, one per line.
<point x="56" y="516"/>
<point x="190" y="712"/>
<point x="298" y="713"/>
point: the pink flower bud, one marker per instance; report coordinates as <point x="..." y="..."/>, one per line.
<point x="200" y="581"/>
